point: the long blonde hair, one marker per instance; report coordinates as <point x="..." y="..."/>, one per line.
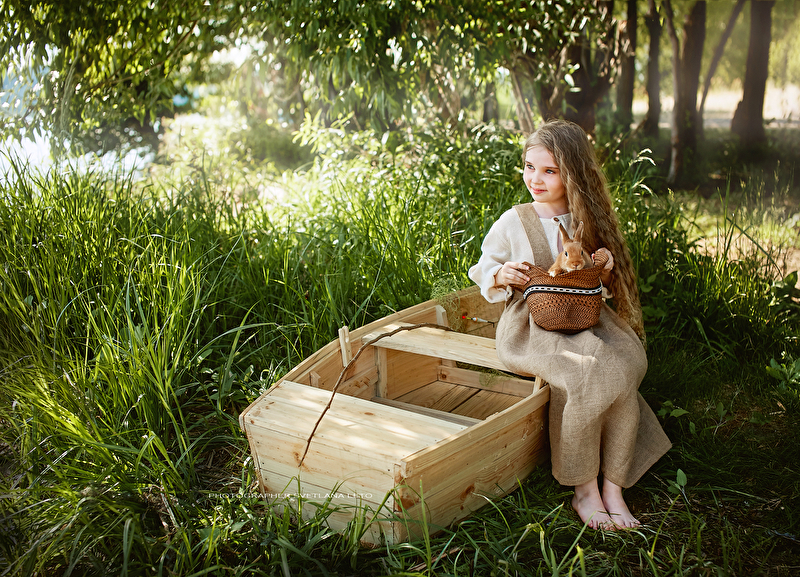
<point x="589" y="201"/>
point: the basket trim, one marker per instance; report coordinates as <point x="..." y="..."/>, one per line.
<point x="561" y="290"/>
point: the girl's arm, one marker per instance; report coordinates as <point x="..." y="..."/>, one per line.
<point x="503" y="251"/>
<point x="495" y="252"/>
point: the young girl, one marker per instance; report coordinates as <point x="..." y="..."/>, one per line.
<point x="599" y="423"/>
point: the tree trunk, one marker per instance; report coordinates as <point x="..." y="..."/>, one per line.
<point x="491" y="108"/>
<point x="748" y="120"/>
<point x="449" y="96"/>
<point x="653" y="86"/>
<point x="593" y="77"/>
<point x="524" y="112"/>
<point x="627" y="69"/>
<point x="327" y="105"/>
<point x="686" y="74"/>
<point x="550" y="95"/>
<point x="718" y="51"/>
<point x="581" y="103"/>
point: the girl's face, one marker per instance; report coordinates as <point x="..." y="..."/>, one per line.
<point x="543" y="179"/>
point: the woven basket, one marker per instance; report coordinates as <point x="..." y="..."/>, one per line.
<point x="567" y="303"/>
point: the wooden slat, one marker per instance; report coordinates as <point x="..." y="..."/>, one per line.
<point x="488" y="381"/>
<point x="460" y="419"/>
<point x="295" y="409"/>
<point x="484" y="404"/>
<point x="440" y="396"/>
<point x="407" y="372"/>
<point x="279" y="454"/>
<point x="452" y="490"/>
<point x="441" y="316"/>
<point x="461" y="443"/>
<point x="443" y="344"/>
<point x="340" y="512"/>
<point x="382" y="366"/>
<point x="345" y="346"/>
<point x="362" y="385"/>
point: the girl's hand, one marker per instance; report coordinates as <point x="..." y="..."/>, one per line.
<point x="605" y="276"/>
<point x="511" y="273"/>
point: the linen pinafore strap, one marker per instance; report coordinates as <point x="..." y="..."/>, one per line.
<point x="536" y="235"/>
<point x="598" y="421"/>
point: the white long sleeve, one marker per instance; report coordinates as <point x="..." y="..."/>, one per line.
<point x="507" y="241"/>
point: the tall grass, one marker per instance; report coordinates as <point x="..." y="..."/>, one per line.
<point x="137" y="318"/>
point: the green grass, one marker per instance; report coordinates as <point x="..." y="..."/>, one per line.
<point x="139" y="317"/>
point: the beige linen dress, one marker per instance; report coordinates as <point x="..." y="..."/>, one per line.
<point x="598" y="420"/>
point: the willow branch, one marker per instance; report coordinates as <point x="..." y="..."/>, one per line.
<point x="348" y="365"/>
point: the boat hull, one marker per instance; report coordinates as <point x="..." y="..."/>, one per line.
<point x="421" y="432"/>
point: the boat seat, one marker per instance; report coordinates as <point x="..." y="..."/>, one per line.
<point x="440" y="343"/>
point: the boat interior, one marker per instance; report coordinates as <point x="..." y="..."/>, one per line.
<point x="419" y="364"/>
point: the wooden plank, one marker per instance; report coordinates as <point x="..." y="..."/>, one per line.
<point x="489" y="381"/>
<point x="295" y="409"/>
<point x="361" y="385"/>
<point x="461" y="420"/>
<point x="279" y="453"/>
<point x="484" y="404"/>
<point x="408" y="372"/>
<point x="453" y="490"/>
<point x="489" y="465"/>
<point x="440" y="396"/>
<point x="464" y="441"/>
<point x="382" y="366"/>
<point x="435" y="342"/>
<point x="339" y="511"/>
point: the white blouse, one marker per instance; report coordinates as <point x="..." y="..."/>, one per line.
<point x="507" y="241"/>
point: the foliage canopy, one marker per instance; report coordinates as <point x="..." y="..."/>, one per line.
<point x="80" y="69"/>
<point x="91" y="72"/>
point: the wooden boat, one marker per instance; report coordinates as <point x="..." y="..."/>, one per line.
<point x="421" y="431"/>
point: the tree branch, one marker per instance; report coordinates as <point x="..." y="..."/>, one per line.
<point x="718" y="51"/>
<point x="349" y="364"/>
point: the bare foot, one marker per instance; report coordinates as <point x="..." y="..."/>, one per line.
<point x="616" y="506"/>
<point x="590" y="508"/>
